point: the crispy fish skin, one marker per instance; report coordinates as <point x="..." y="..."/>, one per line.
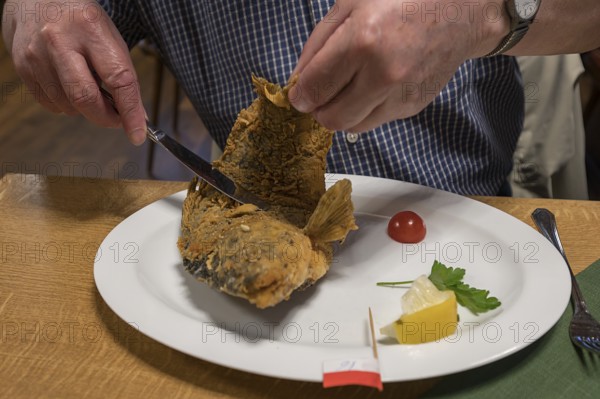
<point x="264" y="256"/>
<point x="276" y="151"/>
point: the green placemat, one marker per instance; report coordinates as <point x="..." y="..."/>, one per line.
<point x="549" y="368"/>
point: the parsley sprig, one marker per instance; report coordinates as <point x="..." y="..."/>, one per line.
<point x="450" y="278"/>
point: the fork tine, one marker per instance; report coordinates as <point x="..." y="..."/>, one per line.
<point x="578" y="341"/>
<point x="586" y="343"/>
<point x="581" y="343"/>
<point x="594" y="349"/>
<point x="590" y="344"/>
<point x="595" y="345"/>
<point x="584" y="331"/>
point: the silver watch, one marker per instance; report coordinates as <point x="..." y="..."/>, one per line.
<point x="521" y="14"/>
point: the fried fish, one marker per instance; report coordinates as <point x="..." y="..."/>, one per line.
<point x="279" y="154"/>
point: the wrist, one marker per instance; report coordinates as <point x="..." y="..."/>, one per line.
<point x="491" y="28"/>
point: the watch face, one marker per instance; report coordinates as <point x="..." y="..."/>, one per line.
<point x="526" y="9"/>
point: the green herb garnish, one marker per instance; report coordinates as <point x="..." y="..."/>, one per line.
<point x="450" y="278"/>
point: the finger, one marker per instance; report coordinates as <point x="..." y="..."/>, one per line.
<point x="55" y="93"/>
<point x="41" y="97"/>
<point x="71" y="111"/>
<point x="82" y="92"/>
<point x="119" y="77"/>
<point x="36" y="69"/>
<point x="381" y="114"/>
<point x="354" y="103"/>
<point x="318" y="37"/>
<point x="50" y="93"/>
<point x="403" y="102"/>
<point x="34" y="87"/>
<point x="328" y="72"/>
<point x="334" y="18"/>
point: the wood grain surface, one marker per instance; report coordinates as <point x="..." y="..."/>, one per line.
<point x="59" y="339"/>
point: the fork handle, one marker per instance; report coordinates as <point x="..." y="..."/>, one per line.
<point x="546" y="223"/>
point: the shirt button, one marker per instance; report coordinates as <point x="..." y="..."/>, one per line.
<point x="352" y="137"/>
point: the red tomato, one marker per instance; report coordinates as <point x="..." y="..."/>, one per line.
<point x="407" y="227"/>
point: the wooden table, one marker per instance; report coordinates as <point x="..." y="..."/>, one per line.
<point x="58" y="338"/>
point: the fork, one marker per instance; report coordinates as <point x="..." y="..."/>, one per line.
<point x="584" y="330"/>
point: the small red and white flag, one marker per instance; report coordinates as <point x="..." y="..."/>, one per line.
<point x="354" y="371"/>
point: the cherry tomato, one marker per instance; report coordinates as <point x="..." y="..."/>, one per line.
<point x="406" y="227"/>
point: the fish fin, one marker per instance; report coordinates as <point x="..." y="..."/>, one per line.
<point x="271" y="91"/>
<point x="333" y="217"/>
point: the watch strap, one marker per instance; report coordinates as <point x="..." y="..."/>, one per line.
<point x="511" y="39"/>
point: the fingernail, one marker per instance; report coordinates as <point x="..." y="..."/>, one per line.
<point x="295" y="97"/>
<point x="137" y="136"/>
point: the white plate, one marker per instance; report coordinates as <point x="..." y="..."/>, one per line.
<point x="139" y="273"/>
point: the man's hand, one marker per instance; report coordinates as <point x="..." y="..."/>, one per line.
<point x="62" y="49"/>
<point x="370" y="62"/>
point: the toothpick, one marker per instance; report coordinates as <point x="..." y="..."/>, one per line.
<point x="373" y="340"/>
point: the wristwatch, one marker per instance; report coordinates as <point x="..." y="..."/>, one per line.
<point x="521" y="14"/>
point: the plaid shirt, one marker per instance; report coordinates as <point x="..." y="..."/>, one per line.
<point x="463" y="142"/>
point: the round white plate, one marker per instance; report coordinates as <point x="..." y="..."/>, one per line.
<point x="139" y="273"/>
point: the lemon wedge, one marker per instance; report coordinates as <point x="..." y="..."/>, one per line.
<point x="429" y="314"/>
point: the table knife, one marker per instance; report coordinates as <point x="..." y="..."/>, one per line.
<point x="197" y="164"/>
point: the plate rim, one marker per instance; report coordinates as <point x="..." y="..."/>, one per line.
<point x="156" y="333"/>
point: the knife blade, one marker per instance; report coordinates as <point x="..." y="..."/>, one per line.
<point x="196" y="164"/>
